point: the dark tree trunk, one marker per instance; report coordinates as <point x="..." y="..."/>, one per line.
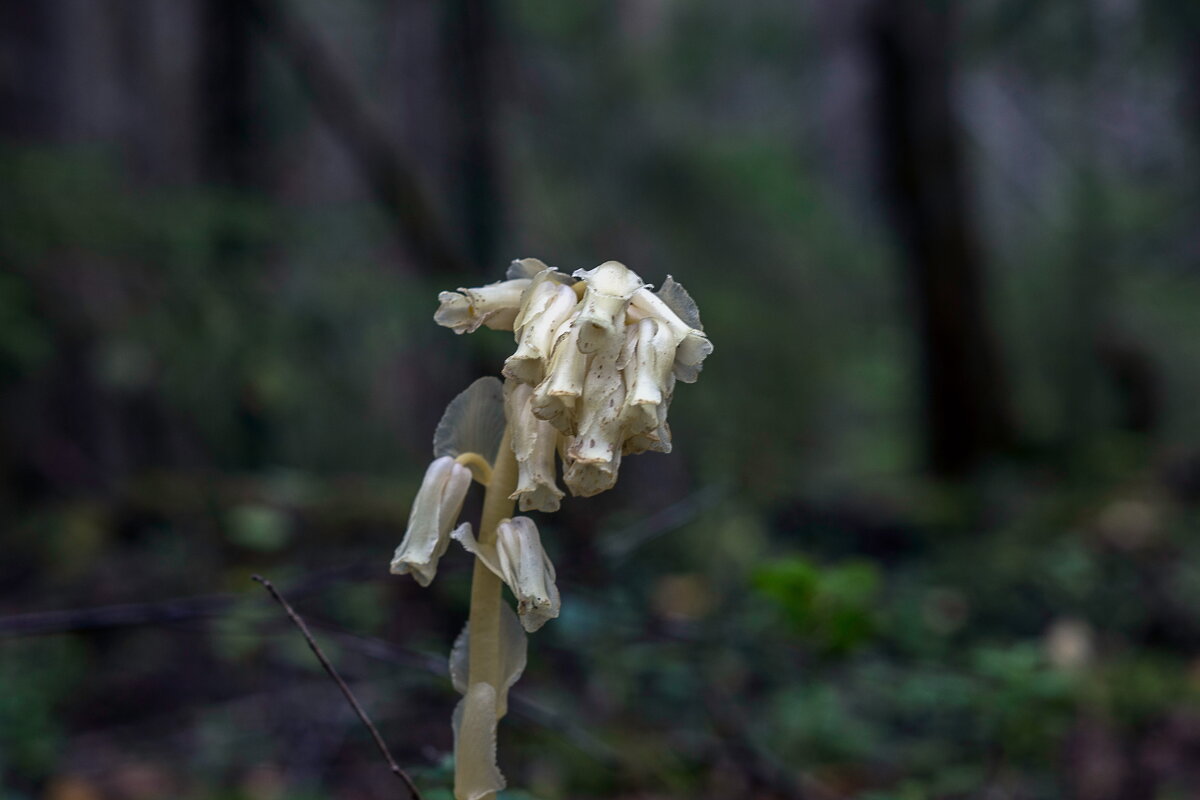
<point x="922" y="168"/>
<point x="228" y="149"/>
<point x="384" y="169"/>
<point x="470" y="53"/>
<point x="31" y="71"/>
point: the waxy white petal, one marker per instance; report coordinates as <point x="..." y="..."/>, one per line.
<point x="648" y="377"/>
<point x="435" y="510"/>
<point x="691" y="344"/>
<point x="658" y="439"/>
<point x="594" y="453"/>
<point x="554" y="399"/>
<point x="601" y="318"/>
<point x="547" y="306"/>
<point x="534" y="442"/>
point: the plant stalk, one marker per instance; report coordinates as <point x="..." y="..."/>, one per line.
<point x="483" y="625"/>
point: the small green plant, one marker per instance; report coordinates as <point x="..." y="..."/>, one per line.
<point x="598" y="355"/>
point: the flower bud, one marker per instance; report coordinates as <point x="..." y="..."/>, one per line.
<point x="434" y="512"/>
<point x="526" y="568"/>
<point x="517" y="558"/>
<point x="494" y="305"/>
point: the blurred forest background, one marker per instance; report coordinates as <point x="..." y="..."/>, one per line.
<point x="932" y="525"/>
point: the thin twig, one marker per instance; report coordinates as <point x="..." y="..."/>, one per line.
<point x="358" y="709"/>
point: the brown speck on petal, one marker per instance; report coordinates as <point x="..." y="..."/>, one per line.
<point x="594" y="455"/>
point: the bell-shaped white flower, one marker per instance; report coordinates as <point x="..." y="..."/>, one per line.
<point x="528" y="570"/>
<point x="518" y="559"/>
<point x="593" y="454"/>
<point x="601" y="319"/>
<point x="673" y="307"/>
<point x="495" y="305"/>
<point x="649" y="380"/>
<point x="534" y="443"/>
<point x="547" y="305"/>
<point x="555" y="398"/>
<point x="434" y="512"/>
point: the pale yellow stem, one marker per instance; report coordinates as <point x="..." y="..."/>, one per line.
<point x="481" y="470"/>
<point x="483" y="625"/>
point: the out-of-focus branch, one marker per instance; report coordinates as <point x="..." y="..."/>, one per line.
<point x="358" y="709"/>
<point x="115" y="616"/>
<point x="161" y="612"/>
<point x="391" y="180"/>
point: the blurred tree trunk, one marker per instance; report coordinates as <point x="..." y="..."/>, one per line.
<point x="371" y="145"/>
<point x="922" y="168"/>
<point x="30" y="71"/>
<point x="469" y="53"/>
<point x="228" y="151"/>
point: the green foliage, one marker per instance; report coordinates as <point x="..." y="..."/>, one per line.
<point x="833" y="607"/>
<point x="258" y="527"/>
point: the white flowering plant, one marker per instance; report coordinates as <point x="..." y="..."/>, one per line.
<point x="598" y="354"/>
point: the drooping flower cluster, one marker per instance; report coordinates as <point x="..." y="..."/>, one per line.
<point x="598" y="354"/>
<point x="597" y="358"/>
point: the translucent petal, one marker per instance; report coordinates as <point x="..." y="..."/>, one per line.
<point x="513" y="652"/>
<point x="678" y="300"/>
<point x="475" y="772"/>
<point x="460" y="660"/>
<point x="524" y="268"/>
<point x="690" y="355"/>
<point x="473" y="421"/>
